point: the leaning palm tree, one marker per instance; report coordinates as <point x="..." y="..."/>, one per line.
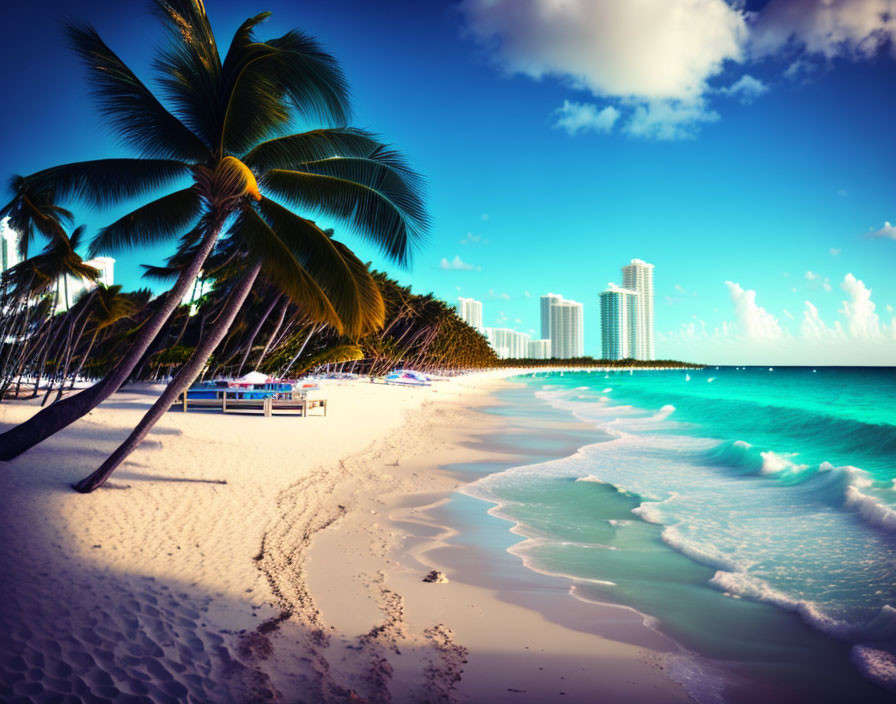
<point x="109" y="306"/>
<point x="329" y="282"/>
<point x="225" y="143"/>
<point x="48" y="274"/>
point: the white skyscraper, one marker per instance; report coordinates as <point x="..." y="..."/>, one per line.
<point x="546" y="303"/>
<point x="507" y="343"/>
<point x="638" y="276"/>
<point x="567" y="329"/>
<point x="618" y="323"/>
<point x="9" y="246"/>
<point x="470" y="311"/>
<point x="539" y="349"/>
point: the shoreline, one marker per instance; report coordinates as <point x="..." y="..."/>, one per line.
<point x="170" y="593"/>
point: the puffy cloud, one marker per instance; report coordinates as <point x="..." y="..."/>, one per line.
<point x="746" y="89"/>
<point x="811" y="276"/>
<point x="888" y="231"/>
<point x="835" y="252"/>
<point x="861" y="320"/>
<point x="855" y="29"/>
<point x="812" y="325"/>
<point x="656" y="60"/>
<point x="669" y="119"/>
<point x="456" y="264"/>
<point x="754" y="321"/>
<point x="502" y="296"/>
<point x="643" y="51"/>
<point x="584" y="117"/>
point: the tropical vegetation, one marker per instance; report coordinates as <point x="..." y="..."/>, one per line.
<point x="219" y="132"/>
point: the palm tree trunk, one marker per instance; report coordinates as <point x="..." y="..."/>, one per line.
<point x="84" y="357"/>
<point x="299" y="353"/>
<point x="273" y="334"/>
<point x="264" y="318"/>
<point x="56" y="417"/>
<point x="178" y="385"/>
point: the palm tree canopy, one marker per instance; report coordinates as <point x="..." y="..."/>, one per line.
<point x="222" y="123"/>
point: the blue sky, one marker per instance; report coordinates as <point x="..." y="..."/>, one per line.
<point x="739" y="150"/>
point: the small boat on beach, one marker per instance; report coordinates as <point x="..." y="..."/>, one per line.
<point x="407" y="377"/>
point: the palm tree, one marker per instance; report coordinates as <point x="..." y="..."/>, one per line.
<point x="333" y="286"/>
<point x="109" y="306"/>
<point x="224" y="142"/>
<point x="47" y="274"/>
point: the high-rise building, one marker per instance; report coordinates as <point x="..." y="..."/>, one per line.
<point x="9" y="246"/>
<point x="567" y="329"/>
<point x="507" y="343"/>
<point x="71" y="288"/>
<point x="546" y="303"/>
<point x="470" y="311"/>
<point x="638" y="277"/>
<point x="539" y="349"/>
<point x="618" y="323"/>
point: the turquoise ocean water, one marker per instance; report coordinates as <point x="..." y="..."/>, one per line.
<point x="751" y="513"/>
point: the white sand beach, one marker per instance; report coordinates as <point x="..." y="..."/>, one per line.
<point x="242" y="558"/>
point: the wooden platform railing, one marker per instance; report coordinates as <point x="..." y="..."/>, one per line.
<point x="231" y="403"/>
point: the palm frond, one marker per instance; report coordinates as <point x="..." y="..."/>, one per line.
<point x="284" y="269"/>
<point x="151" y="223"/>
<point x="32" y="210"/>
<point x="312" y="78"/>
<point x="375" y="210"/>
<point x="107" y="181"/>
<point x="266" y="82"/>
<point x="159" y="273"/>
<point x="189" y="67"/>
<point x="288" y="151"/>
<point x="129" y="106"/>
<point x="345" y="280"/>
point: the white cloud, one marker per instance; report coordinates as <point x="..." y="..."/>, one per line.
<point x="643" y="52"/>
<point x="746" y="89"/>
<point x="484" y="216"/>
<point x="669" y="119"/>
<point x="584" y="117"/>
<point x="754" y="321"/>
<point x="787" y="313"/>
<point x="656" y="60"/>
<point x="855" y="29"/>
<point x="843" y="193"/>
<point x="527" y="294"/>
<point x="812" y="326"/>
<point x="456" y="264"/>
<point x="861" y="320"/>
<point x="470" y="238"/>
<point x="502" y="296"/>
<point x="888" y="231"/>
<point x="816" y="280"/>
<point x="834" y="252"/>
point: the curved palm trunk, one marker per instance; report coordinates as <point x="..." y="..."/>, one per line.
<point x="273" y="334"/>
<point x="84" y="358"/>
<point x="54" y="418"/>
<point x="299" y="353"/>
<point x="178" y="385"/>
<point x="264" y="318"/>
